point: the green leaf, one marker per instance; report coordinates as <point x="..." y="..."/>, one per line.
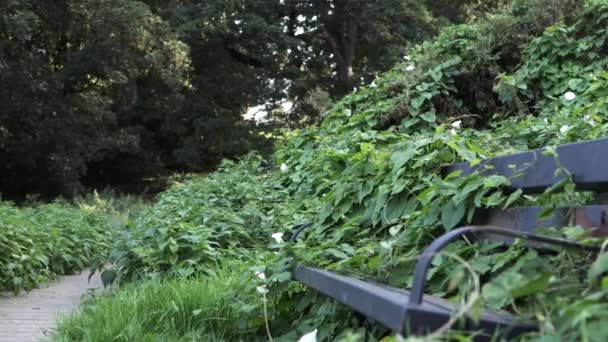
<point x="399" y="158"/>
<point x="454" y="174"/>
<point x="512" y="198"/>
<point x="281" y="277"/>
<point x="325" y="212"/>
<point x="337" y="253"/>
<point x="108" y="277"/>
<point x="418" y="102"/>
<point x="546" y="213"/>
<point x="395" y="207"/>
<point x="452" y="215"/>
<point x="599" y="267"/>
<point x="429" y="117"/>
<point x="536" y="285"/>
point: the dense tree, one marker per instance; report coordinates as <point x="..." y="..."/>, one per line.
<point x="73" y="80"/>
<point x="103" y="92"/>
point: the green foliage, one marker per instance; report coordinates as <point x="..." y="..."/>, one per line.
<point x="192" y="225"/>
<point x="151" y="87"/>
<point x="81" y="79"/>
<point x="564" y="58"/>
<point x="370" y="178"/>
<point x="118" y="80"/>
<point x="199" y="309"/>
<point x="44" y="241"/>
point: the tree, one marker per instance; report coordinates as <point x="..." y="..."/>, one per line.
<point x="356" y="38"/>
<point x="71" y="75"/>
<point x="99" y="92"/>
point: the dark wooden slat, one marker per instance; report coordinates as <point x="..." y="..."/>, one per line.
<point x="526" y="219"/>
<point x="392" y="308"/>
<point x="587" y="161"/>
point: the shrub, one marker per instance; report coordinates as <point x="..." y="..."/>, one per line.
<point x="229" y="213"/>
<point x="43" y="241"/>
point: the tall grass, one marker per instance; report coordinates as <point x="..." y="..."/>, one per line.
<point x="198" y="309"/>
<point x="119" y="207"/>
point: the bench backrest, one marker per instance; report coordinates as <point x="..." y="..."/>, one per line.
<point x="535" y="171"/>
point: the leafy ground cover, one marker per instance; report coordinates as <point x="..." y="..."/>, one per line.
<point x="370" y="179"/>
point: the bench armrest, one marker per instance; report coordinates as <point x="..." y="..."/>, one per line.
<point x="424" y="262"/>
<point x="298" y="230"/>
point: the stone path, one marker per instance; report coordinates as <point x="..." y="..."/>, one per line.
<point x="30" y="317"/>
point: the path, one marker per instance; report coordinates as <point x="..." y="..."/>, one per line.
<point x="30" y="317"/>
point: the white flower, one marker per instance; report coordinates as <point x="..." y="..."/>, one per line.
<point x="457" y="124"/>
<point x="261" y="275"/>
<point x="349" y="112"/>
<point x="284" y="167"/>
<point x="453" y="131"/>
<point x="407" y="58"/>
<point x="373" y="84"/>
<point x="589" y="120"/>
<point x="565" y="129"/>
<point x="410" y="67"/>
<point x="262" y="289"/>
<point x="310" y="337"/>
<point x="569" y="96"/>
<point x="278" y="237"/>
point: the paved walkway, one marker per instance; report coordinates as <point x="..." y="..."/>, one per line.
<point x="30" y="317"/>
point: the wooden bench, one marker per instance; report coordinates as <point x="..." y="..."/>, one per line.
<point x="412" y="312"/>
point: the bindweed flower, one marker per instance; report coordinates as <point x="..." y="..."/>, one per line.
<point x="407" y="58"/>
<point x="278" y="237"/>
<point x="589" y="120"/>
<point x="284" y="168"/>
<point x="457" y="124"/>
<point x="310" y="337"/>
<point x="262" y="289"/>
<point x="410" y="67"/>
<point x="569" y="96"/>
<point x="564" y="129"/>
<point x="349" y="112"/>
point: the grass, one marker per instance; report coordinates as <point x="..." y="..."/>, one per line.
<point x="199" y="309"/>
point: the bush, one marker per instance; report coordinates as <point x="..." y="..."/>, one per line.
<point x="44" y="241"/>
<point x="193" y="225"/>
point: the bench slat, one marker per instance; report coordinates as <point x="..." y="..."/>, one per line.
<point x="587" y="161"/>
<point x="391" y="306"/>
<point x="526" y="219"/>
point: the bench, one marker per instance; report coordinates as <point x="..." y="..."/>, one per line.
<point x="411" y="312"/>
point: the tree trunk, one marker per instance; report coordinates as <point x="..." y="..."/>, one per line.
<point x="341" y="33"/>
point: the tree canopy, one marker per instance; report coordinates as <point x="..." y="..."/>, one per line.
<point x="110" y="92"/>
